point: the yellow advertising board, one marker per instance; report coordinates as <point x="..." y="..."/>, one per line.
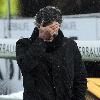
<point x="14" y="8"/>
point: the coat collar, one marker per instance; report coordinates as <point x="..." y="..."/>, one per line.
<point x="34" y="35"/>
<point x="51" y="46"/>
<point x="56" y="43"/>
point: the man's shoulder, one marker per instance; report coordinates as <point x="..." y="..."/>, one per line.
<point x="69" y="41"/>
<point x="71" y="44"/>
<point x="23" y="41"/>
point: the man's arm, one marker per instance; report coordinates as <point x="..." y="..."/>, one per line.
<point x="80" y="82"/>
<point x="29" y="55"/>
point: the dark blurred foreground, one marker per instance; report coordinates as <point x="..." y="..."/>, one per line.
<point x="28" y="8"/>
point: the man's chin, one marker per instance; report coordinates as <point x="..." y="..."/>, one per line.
<point x="50" y="40"/>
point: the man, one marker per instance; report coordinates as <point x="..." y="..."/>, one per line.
<point x="50" y="63"/>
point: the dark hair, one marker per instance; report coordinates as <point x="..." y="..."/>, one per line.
<point x="47" y="15"/>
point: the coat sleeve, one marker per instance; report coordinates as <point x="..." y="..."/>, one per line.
<point x="28" y="55"/>
<point x="80" y="82"/>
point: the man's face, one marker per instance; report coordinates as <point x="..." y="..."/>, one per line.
<point x="49" y="32"/>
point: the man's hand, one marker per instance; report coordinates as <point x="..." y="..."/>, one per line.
<point x="47" y="33"/>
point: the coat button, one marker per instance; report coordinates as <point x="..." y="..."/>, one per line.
<point x="58" y="66"/>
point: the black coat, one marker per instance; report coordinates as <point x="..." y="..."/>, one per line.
<point x="51" y="71"/>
